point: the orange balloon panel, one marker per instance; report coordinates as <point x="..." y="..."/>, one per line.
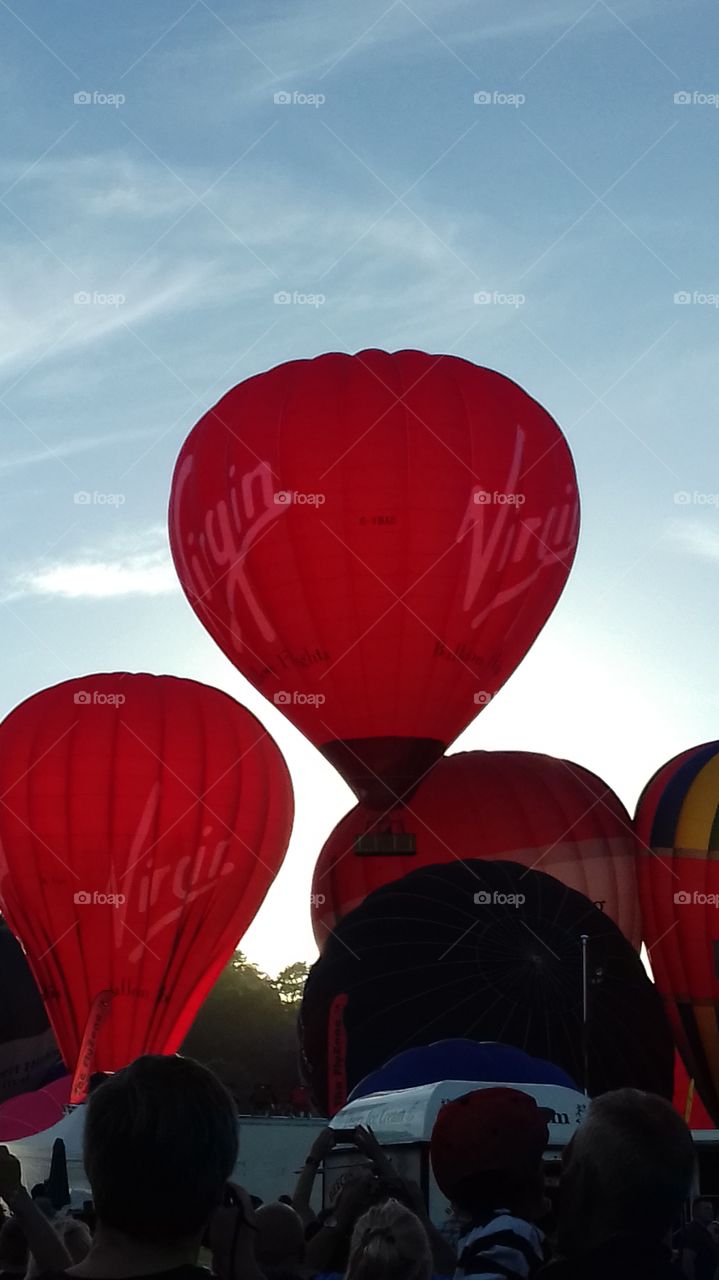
<point x="549" y="814"/>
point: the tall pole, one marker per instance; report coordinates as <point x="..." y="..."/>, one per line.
<point x="585" y="1013"/>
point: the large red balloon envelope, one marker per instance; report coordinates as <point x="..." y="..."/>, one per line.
<point x="514" y="806"/>
<point x="142" y="820"/>
<point x="375" y="541"/>
<point x="677" y="824"/>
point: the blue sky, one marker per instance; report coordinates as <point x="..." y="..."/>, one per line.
<point x="143" y="242"/>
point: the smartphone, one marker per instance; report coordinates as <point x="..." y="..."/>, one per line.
<point x="345" y="1135"/>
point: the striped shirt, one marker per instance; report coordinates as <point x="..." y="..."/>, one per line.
<point x="501" y="1247"/>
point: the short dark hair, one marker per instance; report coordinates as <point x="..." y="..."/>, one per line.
<point x="628" y="1168"/>
<point x="160" y="1144"/>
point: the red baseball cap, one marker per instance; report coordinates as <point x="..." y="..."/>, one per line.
<point x="486" y="1131"/>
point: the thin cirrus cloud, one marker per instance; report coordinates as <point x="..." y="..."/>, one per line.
<point x="697" y="539"/>
<point x="417" y="25"/>
<point x="69" y="449"/>
<point x="77" y="320"/>
<point x="141" y="567"/>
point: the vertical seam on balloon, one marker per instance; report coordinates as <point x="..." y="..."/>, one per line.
<point x="455" y="607"/>
<point x="355" y="374"/>
<point x="158" y="1015"/>
<point x="158" y="767"/>
<point x="69" y="1022"/>
<point x="302" y="385"/>
<point x="109" y="1031"/>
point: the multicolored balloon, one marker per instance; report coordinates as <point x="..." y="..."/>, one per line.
<point x="677" y="823"/>
<point x="546" y="813"/>
<point x="142" y="821"/>
<point x="375" y="541"/>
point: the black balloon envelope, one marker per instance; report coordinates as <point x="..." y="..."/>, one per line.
<point x="29" y="1056"/>
<point x="487" y="951"/>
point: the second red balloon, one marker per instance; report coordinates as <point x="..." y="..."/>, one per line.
<point x="375" y="541"/>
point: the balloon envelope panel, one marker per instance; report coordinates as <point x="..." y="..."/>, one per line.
<point x="354" y="527"/>
<point x="486" y="950"/>
<point x="520" y="806"/>
<point x="28" y="1052"/>
<point x="143" y="820"/>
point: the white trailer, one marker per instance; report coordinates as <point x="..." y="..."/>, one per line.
<point x="402" y="1122"/>
<point x="272" y="1152"/>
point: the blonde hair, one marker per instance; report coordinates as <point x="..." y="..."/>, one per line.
<point x="389" y="1243"/>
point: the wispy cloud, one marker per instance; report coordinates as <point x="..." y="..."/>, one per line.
<point x="70" y="449"/>
<point x="697" y="539"/>
<point x="417" y="29"/>
<point x="136" y="567"/>
<point x="62" y="315"/>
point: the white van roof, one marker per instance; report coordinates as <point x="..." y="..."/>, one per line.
<point x="408" y="1115"/>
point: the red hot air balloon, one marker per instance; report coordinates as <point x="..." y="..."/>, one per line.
<point x="142" y="820"/>
<point x="677" y="823"/>
<point x="375" y="541"/>
<point x="514" y="806"/>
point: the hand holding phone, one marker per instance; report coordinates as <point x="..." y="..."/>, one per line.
<point x="232" y="1232"/>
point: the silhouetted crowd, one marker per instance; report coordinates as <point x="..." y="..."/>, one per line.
<point x="161" y="1144"/>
